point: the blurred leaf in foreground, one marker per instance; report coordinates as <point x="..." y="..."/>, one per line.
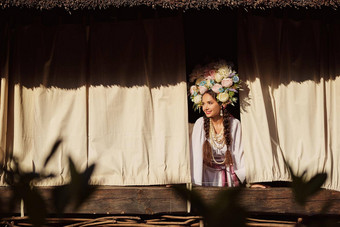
<point x="21" y="184"/>
<point x="76" y="192"/>
<point x="303" y="189"/>
<point x="224" y="211"/>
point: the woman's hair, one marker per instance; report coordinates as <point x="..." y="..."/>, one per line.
<point x="207" y="150"/>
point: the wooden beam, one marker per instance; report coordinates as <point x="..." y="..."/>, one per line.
<point x="128" y="200"/>
<point x="281" y="201"/>
<point x="160" y="199"/>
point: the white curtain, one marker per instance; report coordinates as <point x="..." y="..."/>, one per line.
<point x="138" y="131"/>
<point x="3" y="93"/>
<point x="291" y="98"/>
<point x="114" y="92"/>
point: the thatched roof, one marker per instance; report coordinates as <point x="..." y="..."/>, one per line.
<point x="172" y="4"/>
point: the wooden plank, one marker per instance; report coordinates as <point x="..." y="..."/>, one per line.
<point x="280" y="201"/>
<point x="5" y="196"/>
<point x="134" y="200"/>
<point x="127" y="200"/>
<point x="160" y="199"/>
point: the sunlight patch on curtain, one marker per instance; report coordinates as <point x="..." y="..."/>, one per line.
<point x="290" y="98"/>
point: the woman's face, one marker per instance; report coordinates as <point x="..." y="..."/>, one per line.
<point x="210" y="106"/>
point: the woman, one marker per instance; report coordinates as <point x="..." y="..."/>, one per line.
<point x="216" y="149"/>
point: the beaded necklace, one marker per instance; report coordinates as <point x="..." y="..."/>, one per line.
<point x="217" y="141"/>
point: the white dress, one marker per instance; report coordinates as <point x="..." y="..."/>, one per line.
<point x="208" y="176"/>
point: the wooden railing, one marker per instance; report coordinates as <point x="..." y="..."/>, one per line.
<point x="161" y="199"/>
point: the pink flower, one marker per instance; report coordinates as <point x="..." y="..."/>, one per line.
<point x="227" y="82"/>
<point x="202" y="89"/>
<point x="216" y="88"/>
<point x="210" y="74"/>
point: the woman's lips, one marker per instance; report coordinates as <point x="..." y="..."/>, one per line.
<point x="207" y="112"/>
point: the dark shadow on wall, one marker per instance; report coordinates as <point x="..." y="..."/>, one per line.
<point x="113" y="46"/>
<point x="282" y="46"/>
<point x="125" y="47"/>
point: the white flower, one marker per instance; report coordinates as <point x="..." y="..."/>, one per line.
<point x="197" y="99"/>
<point x="225" y="71"/>
<point x="219" y="77"/>
<point x="223" y="97"/>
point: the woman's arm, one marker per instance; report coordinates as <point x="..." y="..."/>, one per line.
<point x="197" y="140"/>
<point x="238" y="153"/>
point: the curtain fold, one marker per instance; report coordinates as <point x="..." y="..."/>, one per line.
<point x="4" y="46"/>
<point x="114" y="92"/>
<point x="291" y="97"/>
<point x="137" y="103"/>
<point x="48" y="82"/>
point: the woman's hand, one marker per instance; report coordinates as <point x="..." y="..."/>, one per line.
<point x="257" y="186"/>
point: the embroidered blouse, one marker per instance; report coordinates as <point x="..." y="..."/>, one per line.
<point x="211" y="176"/>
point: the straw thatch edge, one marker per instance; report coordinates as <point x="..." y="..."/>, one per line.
<point x="171" y="4"/>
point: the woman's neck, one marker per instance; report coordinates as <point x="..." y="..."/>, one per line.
<point x="217" y="120"/>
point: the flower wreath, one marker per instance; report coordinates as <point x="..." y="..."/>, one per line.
<point x="218" y="77"/>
